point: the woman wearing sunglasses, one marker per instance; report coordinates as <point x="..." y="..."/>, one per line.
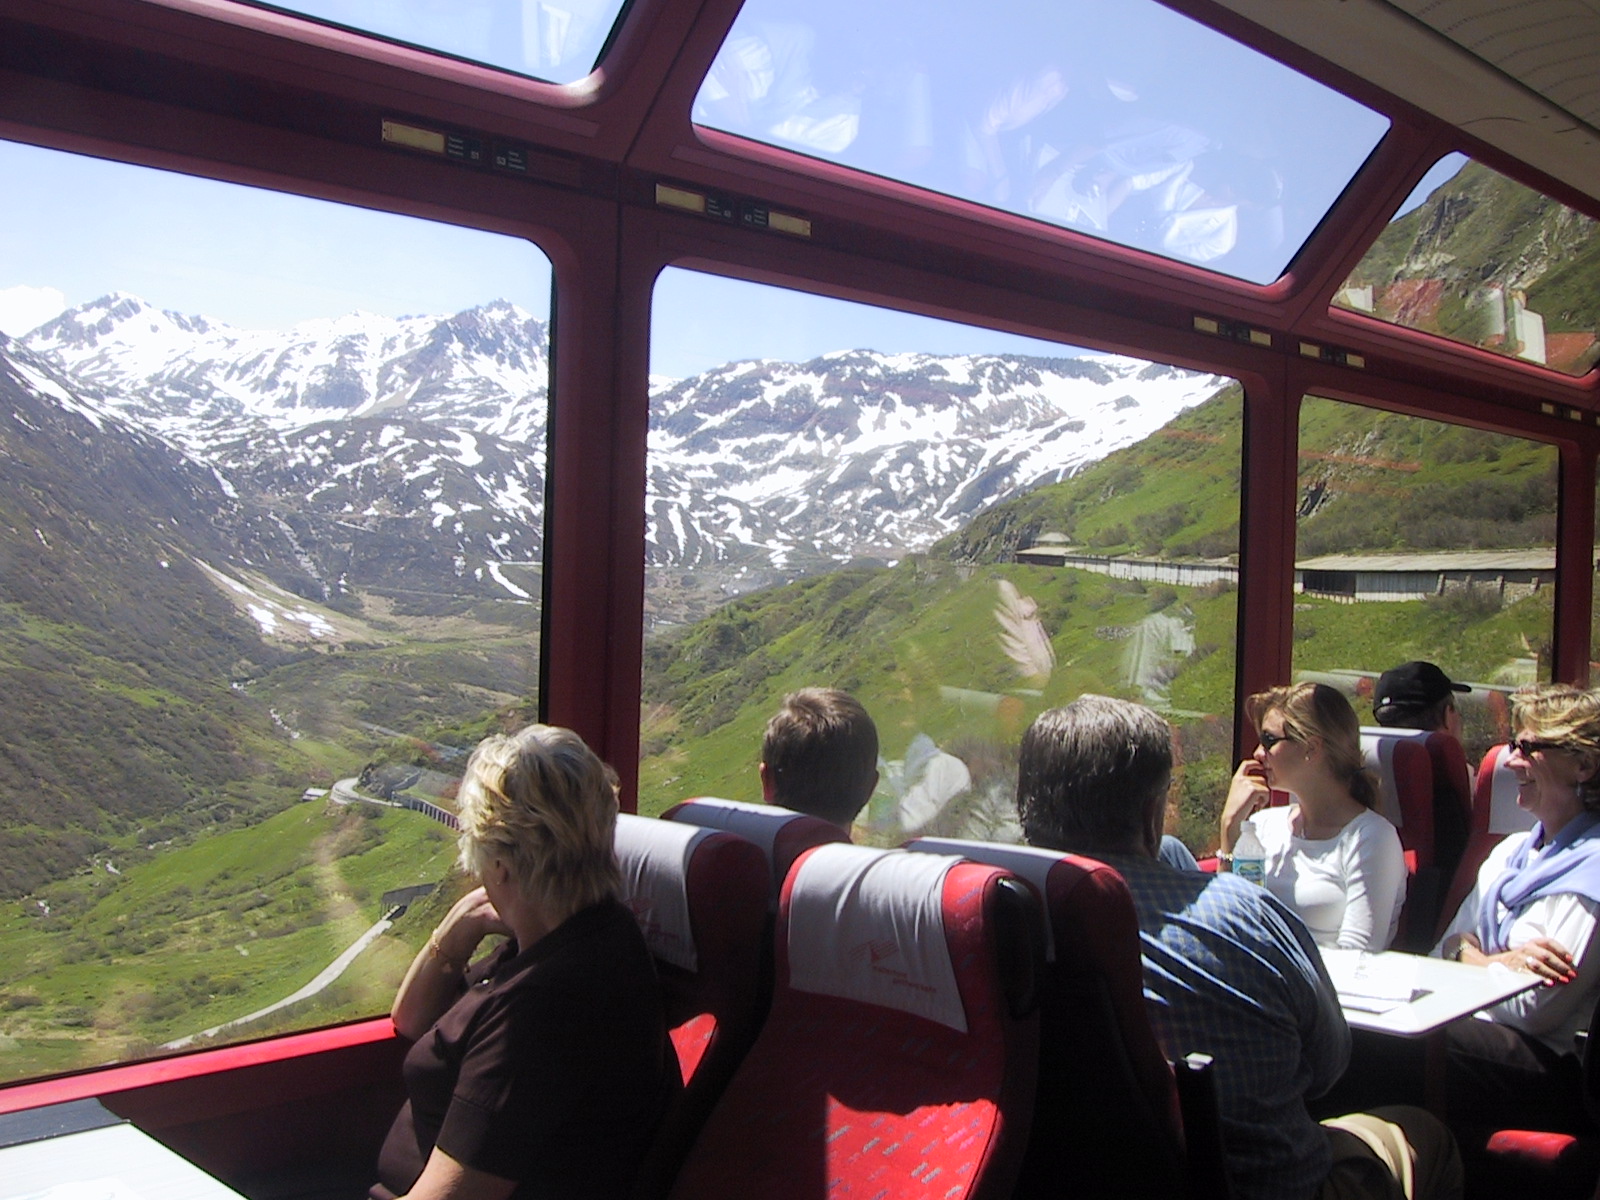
<point x="1329" y="856"/>
<point x="1534" y="909"/>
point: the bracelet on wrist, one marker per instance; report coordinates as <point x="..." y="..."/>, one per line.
<point x="1224" y="861"/>
<point x="454" y="965"/>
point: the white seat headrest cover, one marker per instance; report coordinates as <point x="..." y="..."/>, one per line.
<point x="758" y="823"/>
<point x="868" y="925"/>
<point x="654" y="857"/>
<point x="1505" y="814"/>
<point x="1026" y="862"/>
<point x="1377" y="747"/>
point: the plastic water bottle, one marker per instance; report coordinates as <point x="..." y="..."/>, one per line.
<point x="1249" y="855"/>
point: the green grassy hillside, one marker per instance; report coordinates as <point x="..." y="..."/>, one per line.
<point x="1368" y="481"/>
<point x="919" y="643"/>
<point x="105" y="966"/>
<point x="1174" y="494"/>
<point x="1376" y="481"/>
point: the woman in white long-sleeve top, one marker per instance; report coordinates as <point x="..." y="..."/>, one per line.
<point x="1329" y="855"/>
<point x="1534" y="909"/>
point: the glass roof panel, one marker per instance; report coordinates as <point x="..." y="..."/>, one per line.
<point x="1483" y="260"/>
<point x="1126" y="121"/>
<point x="555" y="40"/>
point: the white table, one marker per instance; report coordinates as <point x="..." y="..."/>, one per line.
<point x="1409" y="995"/>
<point x="114" y="1162"/>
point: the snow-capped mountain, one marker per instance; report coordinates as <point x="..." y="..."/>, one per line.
<point x="864" y="453"/>
<point x="194" y="380"/>
<point x="408" y="452"/>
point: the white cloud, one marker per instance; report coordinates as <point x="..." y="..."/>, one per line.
<point x="23" y="309"/>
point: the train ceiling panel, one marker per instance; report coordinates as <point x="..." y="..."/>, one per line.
<point x="1549" y="46"/>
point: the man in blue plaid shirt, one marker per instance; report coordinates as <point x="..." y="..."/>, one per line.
<point x="1228" y="971"/>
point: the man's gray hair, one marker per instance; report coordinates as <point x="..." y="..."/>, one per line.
<point x="1091" y="775"/>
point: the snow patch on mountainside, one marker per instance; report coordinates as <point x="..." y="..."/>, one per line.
<point x="356" y="429"/>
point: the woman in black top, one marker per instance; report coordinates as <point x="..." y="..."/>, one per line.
<point x="544" y="1068"/>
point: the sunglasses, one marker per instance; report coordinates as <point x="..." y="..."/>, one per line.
<point x="1527" y="747"/>
<point x="1269" y="740"/>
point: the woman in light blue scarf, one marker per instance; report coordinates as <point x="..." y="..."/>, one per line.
<point x="1534" y="909"/>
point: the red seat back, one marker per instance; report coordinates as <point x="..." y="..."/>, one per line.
<point x="901" y="1052"/>
<point x="781" y="834"/>
<point x="1102" y="1072"/>
<point x="1400" y="759"/>
<point x="1544" y="1163"/>
<point x="1452" y="800"/>
<point x="700" y="899"/>
<point x="1404" y="768"/>
<point x="1495" y="813"/>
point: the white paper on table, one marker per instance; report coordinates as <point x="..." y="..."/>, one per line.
<point x="1370" y="982"/>
<point x="108" y="1188"/>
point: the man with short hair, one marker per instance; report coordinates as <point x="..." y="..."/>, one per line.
<point x="1228" y="970"/>
<point x="820" y="756"/>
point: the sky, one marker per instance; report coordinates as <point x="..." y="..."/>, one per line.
<point x="245" y="256"/>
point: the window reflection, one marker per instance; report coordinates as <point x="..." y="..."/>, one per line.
<point x="1127" y="122"/>
<point x="555" y="40"/>
<point x="959" y="539"/>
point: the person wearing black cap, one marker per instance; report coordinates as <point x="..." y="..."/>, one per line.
<point x="1418" y="695"/>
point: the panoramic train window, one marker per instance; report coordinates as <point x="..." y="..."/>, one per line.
<point x="1421" y="540"/>
<point x="270" y="535"/>
<point x="1483" y="260"/>
<point x="1125" y="121"/>
<point x="960" y="527"/>
<point x="554" y="40"/>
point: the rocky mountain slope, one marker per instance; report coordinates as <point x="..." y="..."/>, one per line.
<point x="115" y="647"/>
<point x="407" y="454"/>
<point x="1480" y="248"/>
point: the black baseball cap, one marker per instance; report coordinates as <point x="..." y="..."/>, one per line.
<point x="1417" y="683"/>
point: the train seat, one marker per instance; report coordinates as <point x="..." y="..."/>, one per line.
<point x="1452" y="800"/>
<point x="700" y="898"/>
<point x="1101" y="1070"/>
<point x="782" y="834"/>
<point x="1405" y="785"/>
<point x="1552" y="1166"/>
<point x="1495" y="813"/>
<point x="1400" y="759"/>
<point x="901" y="1051"/>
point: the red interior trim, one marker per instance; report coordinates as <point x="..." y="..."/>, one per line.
<point x="110" y="1080"/>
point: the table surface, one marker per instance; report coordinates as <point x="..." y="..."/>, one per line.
<point x="117" y="1162"/>
<point x="1416" y="994"/>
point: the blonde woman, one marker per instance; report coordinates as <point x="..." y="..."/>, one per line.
<point x="1330" y="856"/>
<point x="1534" y="909"/>
<point x="543" y="1068"/>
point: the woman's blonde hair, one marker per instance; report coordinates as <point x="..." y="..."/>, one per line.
<point x="1567" y="716"/>
<point x="1315" y="710"/>
<point x="540" y="799"/>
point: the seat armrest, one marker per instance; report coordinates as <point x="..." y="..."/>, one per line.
<point x="1202" y="1127"/>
